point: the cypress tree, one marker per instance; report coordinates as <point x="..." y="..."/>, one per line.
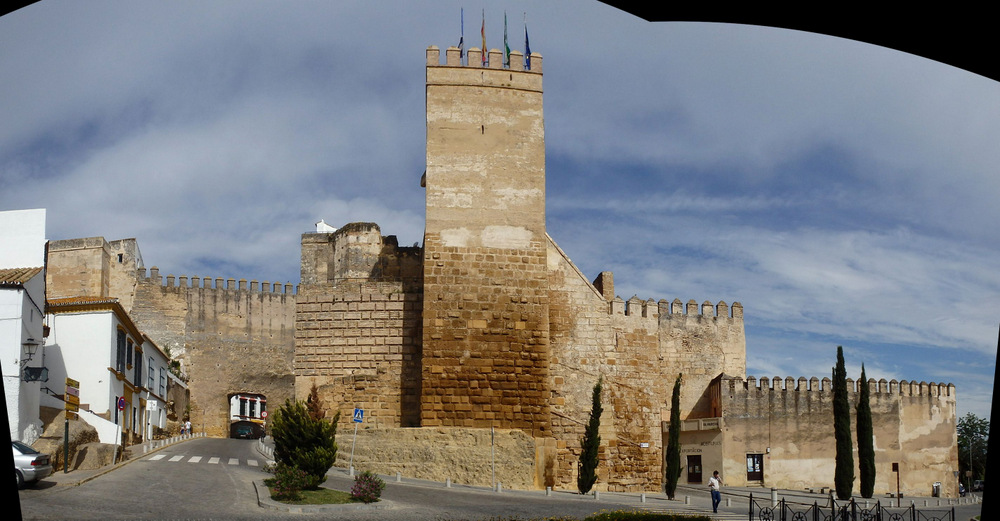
<point x="674" y="441"/>
<point x="313" y="403"/>
<point x="843" y="477"/>
<point x="303" y="442"/>
<point x="866" y="442"/>
<point x="587" y="468"/>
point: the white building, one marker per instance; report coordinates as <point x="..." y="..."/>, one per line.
<point x="22" y="315"/>
<point x="122" y="373"/>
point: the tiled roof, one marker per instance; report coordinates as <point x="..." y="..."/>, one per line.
<point x="16" y="276"/>
<point x="71" y="301"/>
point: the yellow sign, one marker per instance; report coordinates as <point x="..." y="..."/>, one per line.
<point x="70" y="399"/>
<point x="72" y="407"/>
<point x="72" y="383"/>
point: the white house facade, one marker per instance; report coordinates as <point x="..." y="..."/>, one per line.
<point x="22" y="318"/>
<point x="122" y="373"/>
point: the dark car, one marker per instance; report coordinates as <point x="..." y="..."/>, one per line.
<point x="29" y="464"/>
<point x="246" y="430"/>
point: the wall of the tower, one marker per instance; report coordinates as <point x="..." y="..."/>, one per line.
<point x="485" y="311"/>
<point x="357" y="325"/>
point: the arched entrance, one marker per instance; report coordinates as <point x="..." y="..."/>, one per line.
<point x="247" y="415"/>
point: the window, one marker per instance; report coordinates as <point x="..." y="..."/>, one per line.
<point x="120" y="358"/>
<point x="243" y="407"/>
<point x="128" y="353"/>
<point x="755" y="467"/>
<point x="152" y="375"/>
<point x="253" y="406"/>
<point x="137" y="371"/>
<point x="163" y="382"/>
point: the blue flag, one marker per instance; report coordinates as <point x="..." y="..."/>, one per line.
<point x="461" y="40"/>
<point x="527" y="49"/>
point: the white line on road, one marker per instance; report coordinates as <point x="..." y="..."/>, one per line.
<point x="234" y="461"/>
<point x="194" y="459"/>
<point x="157" y="457"/>
<point x="176" y="458"/>
<point x="252" y="462"/>
<point x="213" y="460"/>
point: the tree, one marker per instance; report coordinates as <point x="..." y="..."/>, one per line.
<point x="587" y="468"/>
<point x="866" y="441"/>
<point x="674" y="440"/>
<point x="313" y="403"/>
<point x="843" y="476"/>
<point x="973" y="439"/>
<point x="303" y="442"/>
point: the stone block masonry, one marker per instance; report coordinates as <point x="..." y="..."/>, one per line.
<point x="359" y="343"/>
<point x="231" y="338"/>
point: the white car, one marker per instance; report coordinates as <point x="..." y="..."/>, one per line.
<point x="29" y="464"/>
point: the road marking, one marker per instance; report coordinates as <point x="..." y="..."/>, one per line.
<point x="234" y="461"/>
<point x="176" y="458"/>
<point x="157" y="457"/>
<point x="252" y="462"/>
<point x="213" y="460"/>
<point x="194" y="459"/>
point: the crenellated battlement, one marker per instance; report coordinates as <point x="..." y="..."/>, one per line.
<point x="705" y="309"/>
<point x="228" y="284"/>
<point x="636" y="307"/>
<point x="814" y="384"/>
<point x="453" y="58"/>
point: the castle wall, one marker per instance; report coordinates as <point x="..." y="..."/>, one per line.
<point x="638" y="348"/>
<point x="485" y="313"/>
<point x="230" y="338"/>
<point x="702" y="342"/>
<point x="357" y="325"/>
<point x="359" y="343"/>
<point x="790" y="422"/>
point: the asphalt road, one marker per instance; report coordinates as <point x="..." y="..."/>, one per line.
<point x="208" y="478"/>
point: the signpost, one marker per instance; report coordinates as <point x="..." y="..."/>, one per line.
<point x="72" y="399"/>
<point x="118" y="436"/>
<point x="359" y="415"/>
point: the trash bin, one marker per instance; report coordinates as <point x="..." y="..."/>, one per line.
<point x="936" y="489"/>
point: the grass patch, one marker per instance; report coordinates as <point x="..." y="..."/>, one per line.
<point x="321" y="496"/>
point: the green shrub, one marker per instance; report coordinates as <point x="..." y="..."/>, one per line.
<point x="287" y="483"/>
<point x="367" y="487"/>
<point x="304" y="442"/>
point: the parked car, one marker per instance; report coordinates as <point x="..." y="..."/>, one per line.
<point x="246" y="430"/>
<point x="29" y="464"/>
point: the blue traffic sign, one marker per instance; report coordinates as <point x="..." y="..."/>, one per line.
<point x="359" y="414"/>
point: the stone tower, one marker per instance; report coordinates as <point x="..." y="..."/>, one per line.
<point x="485" y="314"/>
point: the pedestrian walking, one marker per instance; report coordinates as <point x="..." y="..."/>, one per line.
<point x="715" y="485"/>
<point x="187" y="427"/>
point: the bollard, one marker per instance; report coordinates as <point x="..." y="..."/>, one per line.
<point x="925" y="503"/>
<point x="499" y="487"/>
<point x="447" y="483"/>
<point x="350" y="471"/>
<point x="399" y="477"/>
<point x="687" y="500"/>
<point x="548" y="491"/>
<point x="729" y="502"/>
<point x="642" y="497"/>
<point x="597" y="495"/>
<point x="774" y="497"/>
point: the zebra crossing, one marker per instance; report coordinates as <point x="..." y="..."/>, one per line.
<point x="213" y="460"/>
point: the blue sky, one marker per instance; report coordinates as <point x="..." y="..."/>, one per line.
<point x="842" y="192"/>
